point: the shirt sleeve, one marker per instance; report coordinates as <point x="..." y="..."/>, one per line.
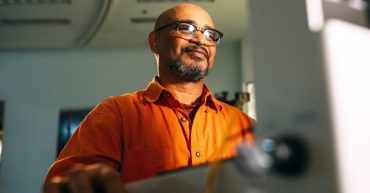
<point x="248" y="129"/>
<point x="98" y="139"/>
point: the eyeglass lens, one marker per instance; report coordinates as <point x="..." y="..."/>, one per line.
<point x="210" y="35"/>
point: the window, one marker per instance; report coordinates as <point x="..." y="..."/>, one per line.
<point x="2" y="106"/>
<point x="69" y="120"/>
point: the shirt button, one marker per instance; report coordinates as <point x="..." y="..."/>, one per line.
<point x="197" y="154"/>
<point x="207" y="110"/>
<point x="183" y="119"/>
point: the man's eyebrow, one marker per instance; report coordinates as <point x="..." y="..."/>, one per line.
<point x="192" y="22"/>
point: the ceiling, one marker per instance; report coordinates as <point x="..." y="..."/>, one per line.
<point x="94" y="23"/>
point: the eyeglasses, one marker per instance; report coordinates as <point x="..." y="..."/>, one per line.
<point x="188" y="30"/>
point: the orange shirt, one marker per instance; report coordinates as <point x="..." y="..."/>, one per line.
<point x="148" y="131"/>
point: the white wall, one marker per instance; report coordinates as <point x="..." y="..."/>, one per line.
<point x="36" y="85"/>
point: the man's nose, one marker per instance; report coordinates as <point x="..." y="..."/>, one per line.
<point x="198" y="38"/>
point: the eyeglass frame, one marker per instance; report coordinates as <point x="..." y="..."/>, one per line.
<point x="202" y="30"/>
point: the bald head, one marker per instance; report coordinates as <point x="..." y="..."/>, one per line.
<point x="180" y="11"/>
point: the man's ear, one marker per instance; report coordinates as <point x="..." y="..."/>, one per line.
<point x="152" y="40"/>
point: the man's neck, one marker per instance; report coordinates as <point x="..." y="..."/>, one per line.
<point x="186" y="92"/>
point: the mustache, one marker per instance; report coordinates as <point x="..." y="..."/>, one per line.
<point x="196" y="48"/>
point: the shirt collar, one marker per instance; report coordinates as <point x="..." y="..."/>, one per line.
<point x="154" y="90"/>
<point x="207" y="98"/>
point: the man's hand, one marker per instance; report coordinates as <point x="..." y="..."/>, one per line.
<point x="87" y="179"/>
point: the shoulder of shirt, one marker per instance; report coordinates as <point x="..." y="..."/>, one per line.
<point x="227" y="108"/>
<point x="133" y="96"/>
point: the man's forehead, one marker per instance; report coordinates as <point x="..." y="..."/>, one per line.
<point x="199" y="19"/>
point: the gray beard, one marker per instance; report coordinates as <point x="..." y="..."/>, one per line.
<point x="189" y="72"/>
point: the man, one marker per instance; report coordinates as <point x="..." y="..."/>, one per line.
<point x="173" y="123"/>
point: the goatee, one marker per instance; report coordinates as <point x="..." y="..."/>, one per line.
<point x="190" y="71"/>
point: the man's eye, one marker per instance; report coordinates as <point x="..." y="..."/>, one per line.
<point x="183" y="27"/>
<point x="210" y="34"/>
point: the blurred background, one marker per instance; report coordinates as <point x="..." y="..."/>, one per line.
<point x="304" y="61"/>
